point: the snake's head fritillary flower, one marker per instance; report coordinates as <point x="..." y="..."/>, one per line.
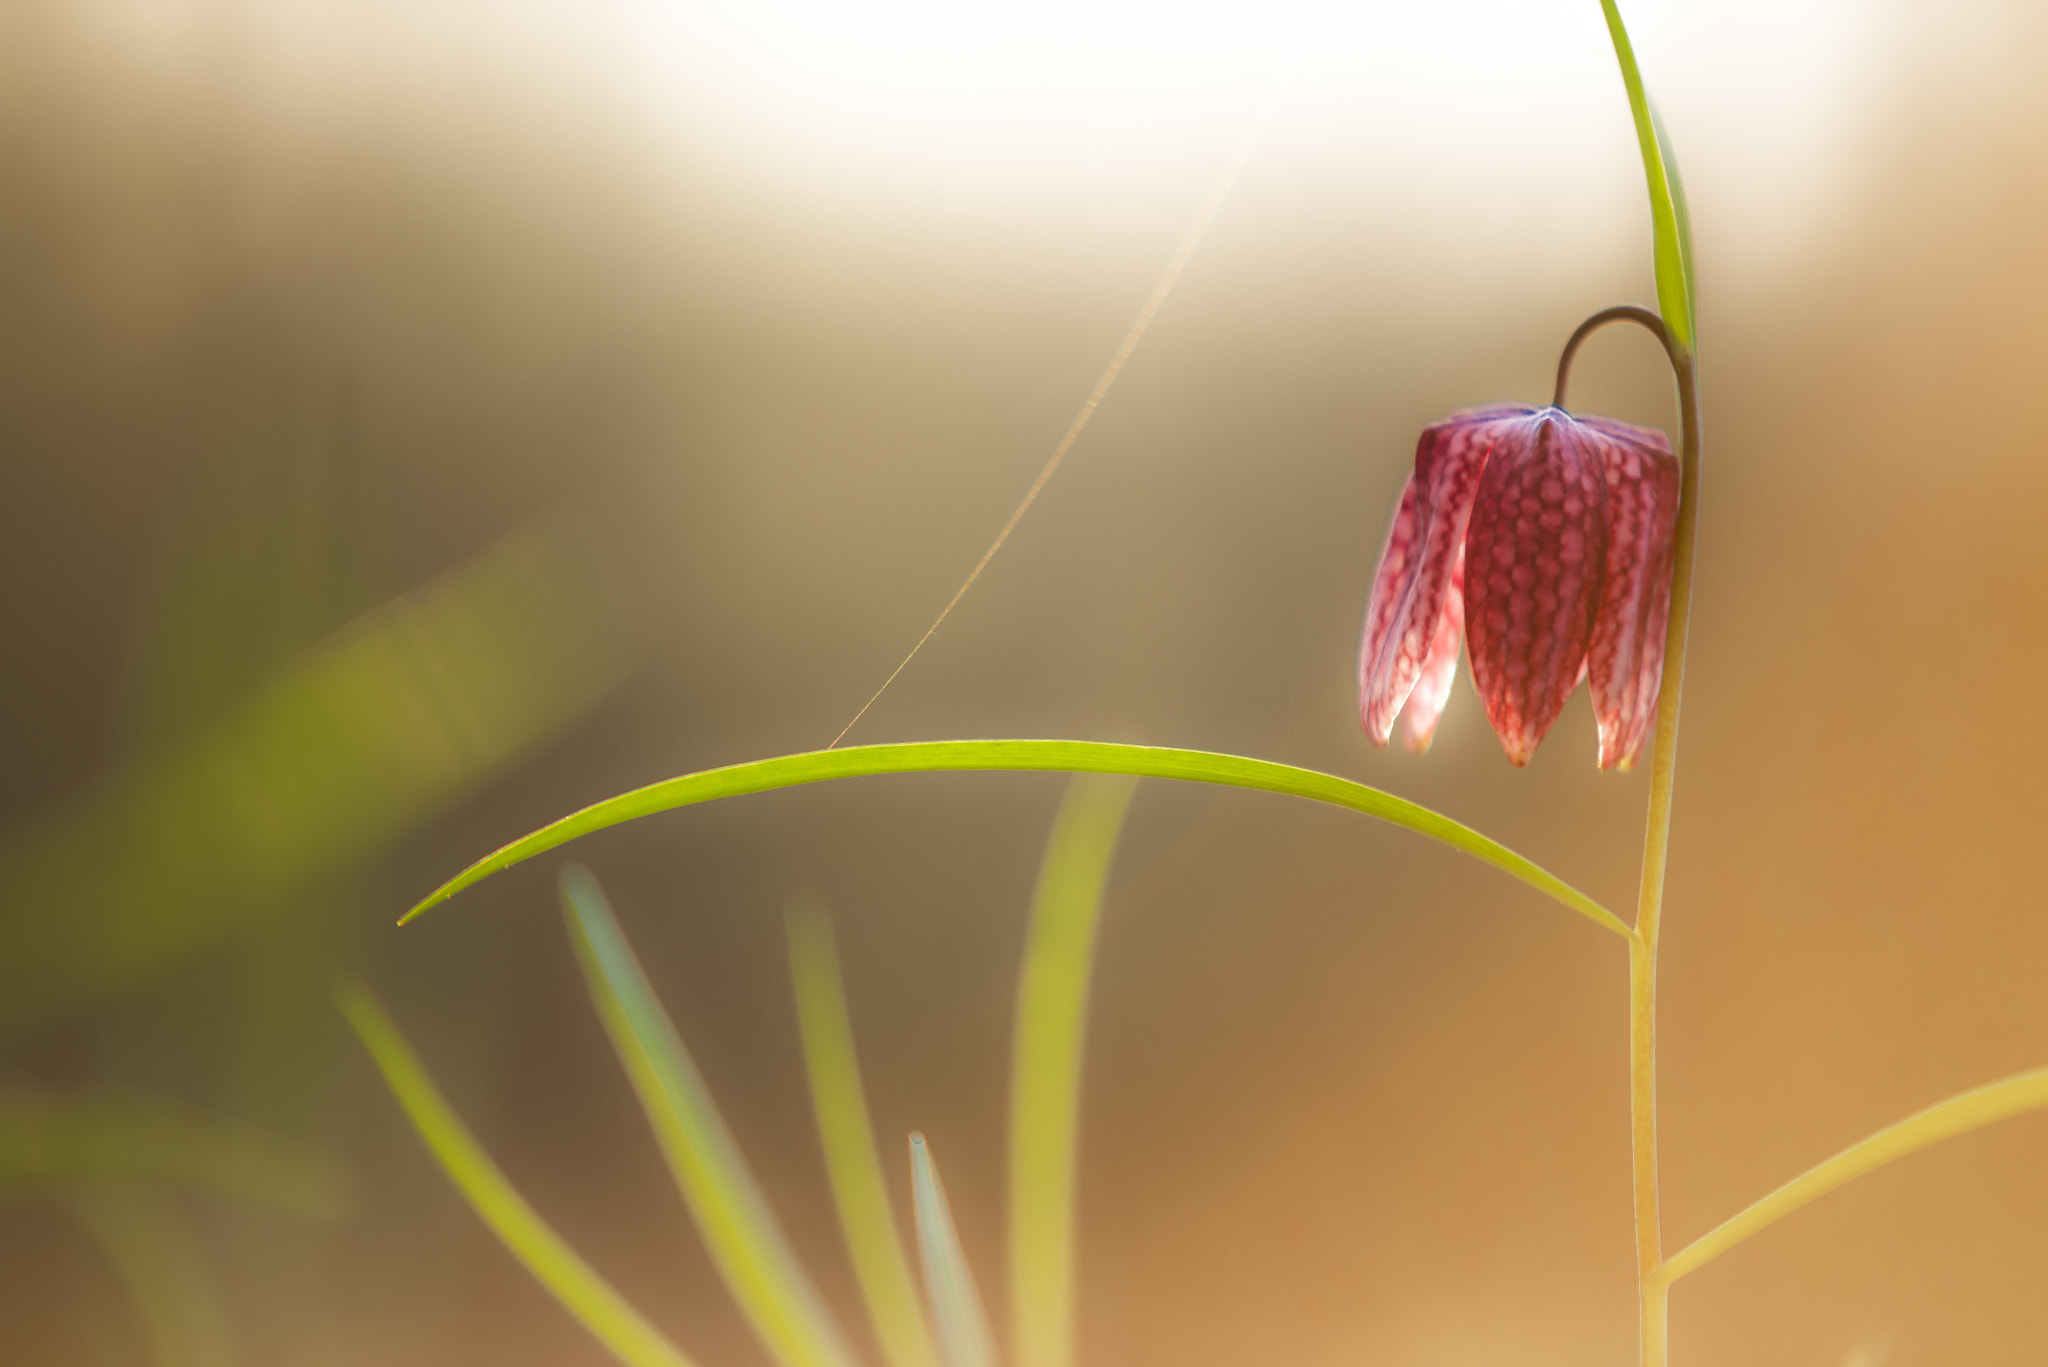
<point x="1544" y="540"/>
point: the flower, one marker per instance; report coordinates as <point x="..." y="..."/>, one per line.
<point x="1545" y="539"/>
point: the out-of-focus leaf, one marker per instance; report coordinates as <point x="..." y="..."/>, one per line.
<point x="163" y="1269"/>
<point x="739" y="1229"/>
<point x="880" y="1262"/>
<point x="1671" y="230"/>
<point x="1971" y="1110"/>
<point x="256" y="559"/>
<point x="1059" y="756"/>
<point x="964" y="1336"/>
<point x="372" y="731"/>
<point x="68" y="1144"/>
<point x="1045" y="1082"/>
<point x="586" y="1295"/>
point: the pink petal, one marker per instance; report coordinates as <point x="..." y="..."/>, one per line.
<point x="1411" y="590"/>
<point x="1534" y="555"/>
<point x="1626" y="655"/>
<point x="1390" y="585"/>
<point x="1433" y="688"/>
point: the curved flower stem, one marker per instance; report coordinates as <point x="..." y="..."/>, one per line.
<point x="1642" y="957"/>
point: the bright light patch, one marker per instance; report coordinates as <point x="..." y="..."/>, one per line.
<point x="920" y="76"/>
<point x="1428" y="99"/>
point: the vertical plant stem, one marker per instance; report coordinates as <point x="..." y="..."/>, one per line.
<point x="1642" y="1105"/>
<point x="1642" y="948"/>
<point x="1656" y="1321"/>
<point x="1642" y="959"/>
<point x="1672" y="253"/>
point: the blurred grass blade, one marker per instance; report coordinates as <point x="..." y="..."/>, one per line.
<point x="68" y="1143"/>
<point x="880" y="1262"/>
<point x="586" y="1295"/>
<point x="738" y="1228"/>
<point x="340" y="752"/>
<point x="1671" y="232"/>
<point x="1057" y="756"/>
<point x="1045" y="1081"/>
<point x="1972" y="1110"/>
<point x="964" y="1335"/>
<point x="164" y="1272"/>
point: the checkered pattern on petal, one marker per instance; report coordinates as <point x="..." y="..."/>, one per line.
<point x="1625" y="658"/>
<point x="1535" y="555"/>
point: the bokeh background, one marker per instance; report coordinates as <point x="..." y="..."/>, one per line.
<point x="418" y="420"/>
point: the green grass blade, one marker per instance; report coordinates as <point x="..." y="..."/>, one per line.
<point x="1972" y="1110"/>
<point x="1059" y="756"/>
<point x="164" y="1271"/>
<point x="1681" y="214"/>
<point x="738" y="1228"/>
<point x="964" y="1334"/>
<point x="586" y="1295"/>
<point x="880" y="1262"/>
<point x="69" y="1143"/>
<point x="1671" y="231"/>
<point x="1045" y="1081"/>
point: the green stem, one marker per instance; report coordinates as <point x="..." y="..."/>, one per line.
<point x="1656" y="1302"/>
<point x="1656" y="849"/>
<point x="1642" y="1106"/>
<point x="1642" y="958"/>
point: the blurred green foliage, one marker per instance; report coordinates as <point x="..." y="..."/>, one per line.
<point x="958" y="1313"/>
<point x="63" y="1145"/>
<point x="1045" y="1077"/>
<point x="588" y="1296"/>
<point x="747" y="1244"/>
<point x="859" y="1190"/>
<point x="732" y="1215"/>
<point x="158" y="1259"/>
<point x="342" y="751"/>
<point x="116" y="1165"/>
<point x="277" y="737"/>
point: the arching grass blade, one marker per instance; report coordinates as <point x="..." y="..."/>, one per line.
<point x="1972" y="1110"/>
<point x="586" y="1295"/>
<point x="1059" y="756"/>
<point x="1045" y="1081"/>
<point x="880" y="1262"/>
<point x="738" y="1228"/>
<point x="964" y="1336"/>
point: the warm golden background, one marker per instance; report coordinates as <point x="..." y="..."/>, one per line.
<point x="421" y="419"/>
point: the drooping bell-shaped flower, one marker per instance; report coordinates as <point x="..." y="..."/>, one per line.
<point x="1544" y="540"/>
